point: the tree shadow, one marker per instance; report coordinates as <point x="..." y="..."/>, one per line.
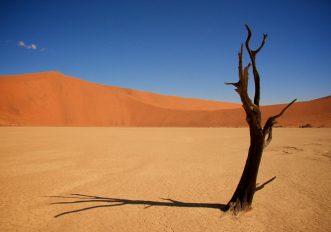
<point x="112" y="202"/>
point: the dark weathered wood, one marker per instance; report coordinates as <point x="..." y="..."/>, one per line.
<point x="252" y="55"/>
<point x="243" y="196"/>
<point x="267" y="129"/>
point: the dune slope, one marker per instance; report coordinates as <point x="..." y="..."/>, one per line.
<point x="53" y="99"/>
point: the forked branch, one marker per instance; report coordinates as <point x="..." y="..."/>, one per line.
<point x="261" y="46"/>
<point x="252" y="55"/>
<point x="249" y="35"/>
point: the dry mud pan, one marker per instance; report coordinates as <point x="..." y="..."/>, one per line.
<point x="159" y="179"/>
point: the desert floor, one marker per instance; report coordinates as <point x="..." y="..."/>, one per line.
<point x="159" y="179"/>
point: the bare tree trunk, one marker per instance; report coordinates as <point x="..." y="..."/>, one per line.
<point x="260" y="136"/>
<point x="243" y="196"/>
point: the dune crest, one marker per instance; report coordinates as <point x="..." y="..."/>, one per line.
<point x="53" y="99"/>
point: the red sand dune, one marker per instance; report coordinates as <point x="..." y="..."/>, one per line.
<point x="53" y="99"/>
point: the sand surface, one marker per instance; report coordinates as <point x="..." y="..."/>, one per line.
<point x="121" y="178"/>
<point x="54" y="99"/>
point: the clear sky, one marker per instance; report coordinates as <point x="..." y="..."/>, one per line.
<point x="184" y="48"/>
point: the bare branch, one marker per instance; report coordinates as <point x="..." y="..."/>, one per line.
<point x="248" y="39"/>
<point x="249" y="35"/>
<point x="240" y="60"/>
<point x="242" y="84"/>
<point x="255" y="72"/>
<point x="246" y="70"/>
<point x="261" y="46"/>
<point x="267" y="129"/>
<point x="283" y="110"/>
<point x="235" y="84"/>
<point x="240" y="71"/>
<point x="267" y="142"/>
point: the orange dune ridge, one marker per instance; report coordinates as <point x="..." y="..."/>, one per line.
<point x="53" y="99"/>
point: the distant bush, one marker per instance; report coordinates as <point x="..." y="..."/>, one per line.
<point x="307" y="125"/>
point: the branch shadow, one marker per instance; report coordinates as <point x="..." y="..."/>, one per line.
<point x="113" y="202"/>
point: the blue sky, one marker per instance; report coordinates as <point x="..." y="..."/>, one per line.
<point x="183" y="48"/>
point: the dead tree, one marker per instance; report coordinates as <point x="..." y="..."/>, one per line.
<point x="260" y="136"/>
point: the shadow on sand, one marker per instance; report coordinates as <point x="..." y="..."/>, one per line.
<point x="105" y="202"/>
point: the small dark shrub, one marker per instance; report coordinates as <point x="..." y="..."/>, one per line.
<point x="307" y="125"/>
